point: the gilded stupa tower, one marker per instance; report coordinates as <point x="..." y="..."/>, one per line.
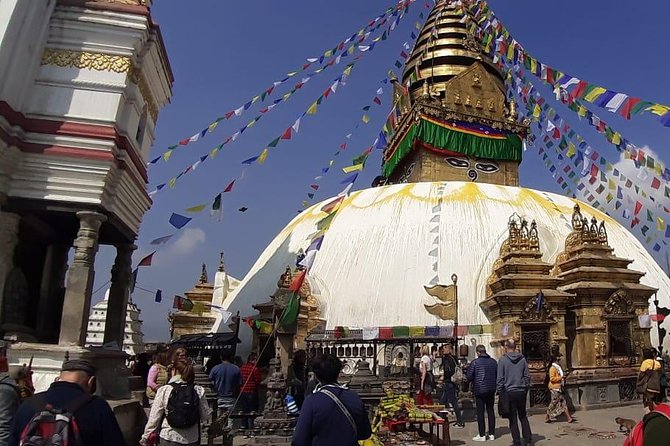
<point x="453" y="121"/>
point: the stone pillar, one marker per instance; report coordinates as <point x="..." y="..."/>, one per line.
<point x="9" y="238"/>
<point x="117" y="303"/>
<point x="77" y="303"/>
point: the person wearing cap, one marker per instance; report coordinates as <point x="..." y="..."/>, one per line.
<point x="558" y="405"/>
<point x="95" y="419"/>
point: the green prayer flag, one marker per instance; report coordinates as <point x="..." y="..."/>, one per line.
<point x="274" y="143"/>
<point x="290" y="314"/>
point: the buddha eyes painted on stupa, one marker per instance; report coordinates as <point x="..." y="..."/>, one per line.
<point x="474" y="167"/>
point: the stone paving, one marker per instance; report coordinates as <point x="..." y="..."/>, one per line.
<point x="592" y="428"/>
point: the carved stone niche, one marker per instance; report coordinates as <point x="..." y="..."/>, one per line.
<point x="619" y="305"/>
<point x="537" y="310"/>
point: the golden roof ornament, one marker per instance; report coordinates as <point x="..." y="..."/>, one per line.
<point x="576" y="218"/>
<point x="222" y="266"/>
<point x="285" y="279"/>
<point x="203" y="275"/>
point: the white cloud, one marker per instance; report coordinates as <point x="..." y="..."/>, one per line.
<point x="189" y="240"/>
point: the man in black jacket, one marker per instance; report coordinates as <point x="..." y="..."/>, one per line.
<point x="449" y="366"/>
<point x="95" y="419"/>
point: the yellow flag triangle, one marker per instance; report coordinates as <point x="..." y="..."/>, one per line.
<point x="263" y="156"/>
<point x="167" y="155"/>
<point x="196" y="209"/>
<point x="312" y="109"/>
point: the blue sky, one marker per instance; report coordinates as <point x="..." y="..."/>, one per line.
<point x="225" y="52"/>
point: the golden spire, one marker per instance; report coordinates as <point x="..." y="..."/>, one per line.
<point x="203" y="275"/>
<point x="443" y="50"/>
<point x="222" y="266"/>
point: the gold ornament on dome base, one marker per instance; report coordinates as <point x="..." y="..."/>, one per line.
<point x="447" y="295"/>
<point x="83" y="59"/>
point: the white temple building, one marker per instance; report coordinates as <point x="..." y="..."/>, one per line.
<point x="133" y="338"/>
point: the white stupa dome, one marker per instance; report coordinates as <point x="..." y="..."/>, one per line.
<point x="374" y="261"/>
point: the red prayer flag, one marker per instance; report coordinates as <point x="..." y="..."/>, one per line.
<point x="638" y="207"/>
<point x="657" y="317"/>
<point x="229" y="187"/>
<point x="627" y="107"/>
<point x="329" y="207"/>
<point x="184" y="142"/>
<point x="297" y="281"/>
<point x="147" y="260"/>
<point x="343" y="146"/>
<point x="377" y="101"/>
<point x="314" y="186"/>
<point x="655" y="183"/>
<point x="229" y="114"/>
<point x="579" y="90"/>
<point x="286" y="134"/>
<point x="177" y="303"/>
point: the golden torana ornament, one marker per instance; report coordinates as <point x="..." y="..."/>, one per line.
<point x="83" y="59"/>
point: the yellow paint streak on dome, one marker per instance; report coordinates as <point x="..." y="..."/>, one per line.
<point x="464" y="193"/>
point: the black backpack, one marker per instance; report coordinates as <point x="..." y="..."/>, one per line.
<point x="183" y="406"/>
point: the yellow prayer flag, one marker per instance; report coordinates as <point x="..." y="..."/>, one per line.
<point x="172" y="182"/>
<point x="354" y="168"/>
<point x="292" y="73"/>
<point x="312" y="109"/>
<point x="251" y="123"/>
<point x="658" y="109"/>
<point x="212" y="126"/>
<point x="616" y="139"/>
<point x="287" y="95"/>
<point x="196" y="209"/>
<point x="263" y="156"/>
<point x="255" y="99"/>
<point x="537" y="111"/>
<point x="660" y="224"/>
<point x="213" y="152"/>
<point x="594" y="94"/>
<point x="510" y="52"/>
<point x="581" y="111"/>
<point x="659" y="168"/>
<point x="328" y="53"/>
<point x="167" y="155"/>
<point x="347" y="71"/>
<point x="365" y="119"/>
<point x="351" y="50"/>
<point x="571" y="150"/>
<point x="533" y="65"/>
<point x="611" y="184"/>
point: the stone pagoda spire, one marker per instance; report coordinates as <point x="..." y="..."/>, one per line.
<point x="452" y="120"/>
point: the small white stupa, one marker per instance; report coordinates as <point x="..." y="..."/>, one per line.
<point x="133" y="339"/>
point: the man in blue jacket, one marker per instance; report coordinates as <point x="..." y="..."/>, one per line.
<point x="483" y="373"/>
<point x="333" y="415"/>
<point x="514" y="379"/>
<point x="75" y="387"/>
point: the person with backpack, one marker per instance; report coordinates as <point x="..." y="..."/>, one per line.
<point x="513" y="384"/>
<point x="178" y="410"/>
<point x="333" y="415"/>
<point x="483" y="373"/>
<point x="649" y="379"/>
<point x="68" y="413"/>
<point x="653" y="429"/>
<point x="158" y="374"/>
<point x="452" y="379"/>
